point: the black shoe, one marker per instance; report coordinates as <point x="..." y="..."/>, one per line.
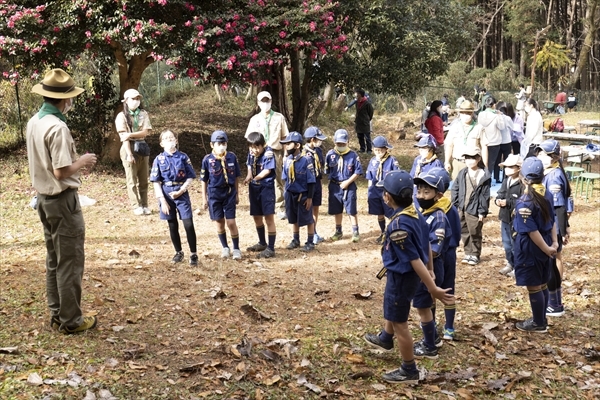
<point x="257" y="247"/>
<point x="308" y="247"/>
<point x="294" y="244"/>
<point x="266" y="253"/>
<point x="375" y="341"/>
<point x="177" y="258"/>
<point x="401" y="376"/>
<point x="530" y="326"/>
<point x="422" y="351"/>
<point x="194" y="260"/>
<point x="379" y="239"/>
<point x="55" y="322"/>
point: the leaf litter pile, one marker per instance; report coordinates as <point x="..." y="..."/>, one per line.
<point x="288" y="327"/>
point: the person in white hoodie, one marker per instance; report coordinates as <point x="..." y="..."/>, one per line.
<point x="492" y="123"/>
<point x="505" y="145"/>
<point x="534" y="129"/>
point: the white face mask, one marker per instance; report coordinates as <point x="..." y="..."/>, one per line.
<point x="170" y="146"/>
<point x="424" y="152"/>
<point x="470" y="162"/>
<point x="465" y="118"/>
<point x="509" y="171"/>
<point x="133" y="104"/>
<point x="68" y="106"/>
<point x="341" y="149"/>
<point x="546" y="160"/>
<point x="220" y="148"/>
<point x="264" y="106"/>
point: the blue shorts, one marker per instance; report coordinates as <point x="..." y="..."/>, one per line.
<point x="296" y="210"/>
<point x="262" y="199"/>
<point x="533" y="275"/>
<point x="423" y="298"/>
<point x="399" y="291"/>
<point x="318" y="195"/>
<point x="378" y="207"/>
<point x="221" y="203"/>
<point x="449" y="269"/>
<point x="342" y="199"/>
<point x="181" y="205"/>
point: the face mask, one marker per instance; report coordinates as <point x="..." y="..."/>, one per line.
<point x="68" y="106"/>
<point x="424" y="152"/>
<point x="546" y="160"/>
<point x="317" y="143"/>
<point x="341" y="149"/>
<point x="220" y="148"/>
<point x="264" y="107"/>
<point x="379" y="156"/>
<point x="290" y="152"/>
<point x="170" y="146"/>
<point x="465" y="118"/>
<point x="426" y="204"/>
<point x="133" y="104"/>
<point x="509" y="171"/>
<point x="470" y="162"/>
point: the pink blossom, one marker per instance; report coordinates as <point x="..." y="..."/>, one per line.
<point x="282" y="34"/>
<point x="43" y="42"/>
<point x="276" y="50"/>
<point x="88" y="34"/>
<point x="251" y="18"/>
<point x="270" y="62"/>
<point x="236" y="17"/>
<point x="162" y="2"/>
<point x="66" y="63"/>
<point x="254" y="55"/>
<point x="5" y="74"/>
<point x="188" y="23"/>
<point x="88" y="45"/>
<point x="313" y="26"/>
<point x="200" y="49"/>
<point x="317" y="7"/>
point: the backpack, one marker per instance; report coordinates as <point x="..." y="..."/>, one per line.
<point x="557" y="125"/>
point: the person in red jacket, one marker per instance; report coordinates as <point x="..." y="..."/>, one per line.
<point x="435" y="127"/>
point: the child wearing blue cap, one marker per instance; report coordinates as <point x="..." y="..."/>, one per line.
<point x="312" y="150"/>
<point x="379" y="166"/>
<point x="405" y="254"/>
<point x="299" y="177"/>
<point x="261" y="192"/>
<point x="427" y="157"/>
<point x="343" y="167"/>
<point x="171" y="174"/>
<point x="220" y="179"/>
<point x="535" y="243"/>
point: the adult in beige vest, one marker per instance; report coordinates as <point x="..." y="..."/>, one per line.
<point x="273" y="127"/>
<point x="54" y="168"/>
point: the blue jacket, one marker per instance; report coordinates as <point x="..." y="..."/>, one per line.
<point x="175" y="167"/>
<point x="350" y="166"/>
<point x="214" y="174"/>
<point x="304" y="173"/>
<point x="261" y="163"/>
<point x="389" y="164"/>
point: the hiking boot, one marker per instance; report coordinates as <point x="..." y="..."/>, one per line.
<point x="318" y="239"/>
<point x="194" y="260"/>
<point x="355" y="237"/>
<point x="555" y="311"/>
<point x="55" y="322"/>
<point x="294" y="244"/>
<point x="88" y="323"/>
<point x="237" y="254"/>
<point x="225" y="253"/>
<point x="448" y="334"/>
<point x="379" y="240"/>
<point x="506" y="269"/>
<point x="375" y="341"/>
<point x="530" y="326"/>
<point x="257" y="247"/>
<point x="266" y="253"/>
<point x="421" y="350"/>
<point x="308" y="247"/>
<point x="473" y="260"/>
<point x="401" y="376"/>
<point x="177" y="258"/>
<point x="337" y="236"/>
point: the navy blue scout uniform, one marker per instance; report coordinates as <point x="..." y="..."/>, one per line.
<point x="173" y="170"/>
<point x="262" y="193"/>
<point x="220" y="174"/>
<point x="339" y="167"/>
<point x="376" y="171"/>
<point x="318" y="162"/>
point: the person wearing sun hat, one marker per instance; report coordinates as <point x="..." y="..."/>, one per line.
<point x="463" y="133"/>
<point x="54" y="168"/>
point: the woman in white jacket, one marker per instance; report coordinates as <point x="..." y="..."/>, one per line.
<point x="534" y="129"/>
<point x="492" y="122"/>
<point x="505" y="145"/>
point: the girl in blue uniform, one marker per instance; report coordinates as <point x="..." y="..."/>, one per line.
<point x="382" y="163"/>
<point x="427" y="157"/>
<point x="312" y="150"/>
<point x="535" y="243"/>
<point x="171" y="174"/>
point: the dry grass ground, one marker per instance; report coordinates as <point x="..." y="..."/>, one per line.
<point x="175" y="332"/>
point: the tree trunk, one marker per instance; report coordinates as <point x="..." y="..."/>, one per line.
<point x="590" y="27"/>
<point x="300" y="90"/>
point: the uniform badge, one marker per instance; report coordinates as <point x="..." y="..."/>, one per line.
<point x="525" y="213"/>
<point x="555" y="189"/>
<point x="440" y="234"/>
<point x="398" y="237"/>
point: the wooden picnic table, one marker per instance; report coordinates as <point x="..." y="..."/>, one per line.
<point x="589" y="123"/>
<point x="572" y="136"/>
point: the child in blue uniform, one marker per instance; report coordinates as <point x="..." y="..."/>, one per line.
<point x="404" y="255"/>
<point x="535" y="243"/>
<point x="261" y="193"/>
<point x="172" y="173"/>
<point x="557" y="183"/>
<point x="382" y="163"/>
<point x="312" y="150"/>
<point x="431" y="186"/>
<point x="220" y="179"/>
<point x="343" y="167"/>
<point x="427" y="158"/>
<point x="299" y="177"/>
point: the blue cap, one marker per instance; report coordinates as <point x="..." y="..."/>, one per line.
<point x="550" y="146"/>
<point x="340" y="136"/>
<point x="294" y="136"/>
<point x="218" y="136"/>
<point x="314" y="132"/>
<point x="381" y="142"/>
<point x="395" y="181"/>
<point x="437" y="178"/>
<point x="426" y="141"/>
<point x="532" y="169"/>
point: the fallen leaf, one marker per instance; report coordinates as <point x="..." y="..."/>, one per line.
<point x="192" y="367"/>
<point x="9" y="350"/>
<point x="355" y="358"/>
<point x="134" y="254"/>
<point x="255" y="313"/>
<point x="360" y="312"/>
<point x="272" y="380"/>
<point x="34" y="379"/>
<point x="465" y="394"/>
<point x="363" y="296"/>
<point x="270" y="355"/>
<point x="361" y="375"/>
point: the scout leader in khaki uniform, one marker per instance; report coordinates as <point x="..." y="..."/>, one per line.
<point x="273" y="127"/>
<point x="54" y="167"/>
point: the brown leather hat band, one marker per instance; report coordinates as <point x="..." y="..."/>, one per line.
<point x="57" y="89"/>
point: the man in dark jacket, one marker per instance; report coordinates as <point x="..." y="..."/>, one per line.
<point x="362" y="121"/>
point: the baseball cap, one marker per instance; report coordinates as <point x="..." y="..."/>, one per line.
<point x="131" y="94"/>
<point x="437" y="178"/>
<point x="395" y="181"/>
<point x="532" y="168"/>
<point x="550" y="146"/>
<point x="426" y="141"/>
<point x="262" y="95"/>
<point x="381" y="142"/>
<point x="294" y="136"/>
<point x="511" y="161"/>
<point x="472" y="151"/>
<point x="218" y="136"/>
<point x="340" y="136"/>
<point x="314" y="132"/>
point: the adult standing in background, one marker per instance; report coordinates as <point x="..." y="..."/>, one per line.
<point x="273" y="127"/>
<point x="518" y="128"/>
<point x="435" y="127"/>
<point x="534" y="129"/>
<point x="445" y="108"/>
<point x="133" y="125"/>
<point x="492" y="123"/>
<point x="464" y="133"/>
<point x="521" y="97"/>
<point x="362" y="121"/>
<point x="460" y="100"/>
<point x="505" y="145"/>
<point x="54" y="167"/>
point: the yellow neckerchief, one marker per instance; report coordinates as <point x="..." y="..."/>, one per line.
<point x="222" y="159"/>
<point x="340" y="163"/>
<point x="254" y="160"/>
<point x="540" y="188"/>
<point x="443" y="204"/>
<point x="315" y="156"/>
<point x="379" y="174"/>
<point x="409" y="211"/>
<point x="423" y="162"/>
<point x="291" y="170"/>
<point x="551" y="168"/>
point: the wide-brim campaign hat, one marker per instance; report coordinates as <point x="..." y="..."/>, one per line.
<point x="466" y="107"/>
<point x="57" y="84"/>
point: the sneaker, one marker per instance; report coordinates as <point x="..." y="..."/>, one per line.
<point x="379" y="240"/>
<point x="555" y="311"/>
<point x="308" y="247"/>
<point x="55" y="322"/>
<point x="147" y="211"/>
<point x="294" y="244"/>
<point x="448" y="334"/>
<point x="438" y="341"/>
<point x="138" y="211"/>
<point x="374" y="340"/>
<point x="421" y="350"/>
<point x="318" y="239"/>
<point x="530" y="326"/>
<point x="474" y="260"/>
<point x="281" y="215"/>
<point x="237" y="254"/>
<point x="194" y="260"/>
<point x="355" y="237"/>
<point x="225" y="253"/>
<point x="511" y="274"/>
<point x="337" y="236"/>
<point x="177" y="258"/>
<point x="266" y="253"/>
<point x="466" y="259"/>
<point x="88" y="323"/>
<point x="257" y="247"/>
<point x="401" y="376"/>
<point x="506" y="269"/>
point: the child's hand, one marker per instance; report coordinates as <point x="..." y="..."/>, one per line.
<point x="164" y="206"/>
<point x="501" y="202"/>
<point x="248" y="179"/>
<point x="550" y="251"/>
<point x="176" y="194"/>
<point x="481" y="218"/>
<point x="344" y="184"/>
<point x="129" y="157"/>
<point x="205" y="205"/>
<point x="308" y="204"/>
<point x="443" y="295"/>
<point x="448" y="167"/>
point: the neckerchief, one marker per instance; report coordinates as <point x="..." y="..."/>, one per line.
<point x="135" y="115"/>
<point x="307" y="148"/>
<point x="379" y="174"/>
<point x="340" y="163"/>
<point x="551" y="168"/>
<point x="540" y="188"/>
<point x="466" y="136"/>
<point x="443" y="204"/>
<point x="268" y="122"/>
<point x="291" y="170"/>
<point x="424" y="161"/>
<point x="223" y="165"/>
<point x="254" y="160"/>
<point x="409" y="211"/>
<point x="48" y="108"/>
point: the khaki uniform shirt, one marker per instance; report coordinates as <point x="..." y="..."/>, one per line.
<point x="50" y="146"/>
<point x="121" y="123"/>
<point x="462" y="137"/>
<point x="273" y="131"/>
